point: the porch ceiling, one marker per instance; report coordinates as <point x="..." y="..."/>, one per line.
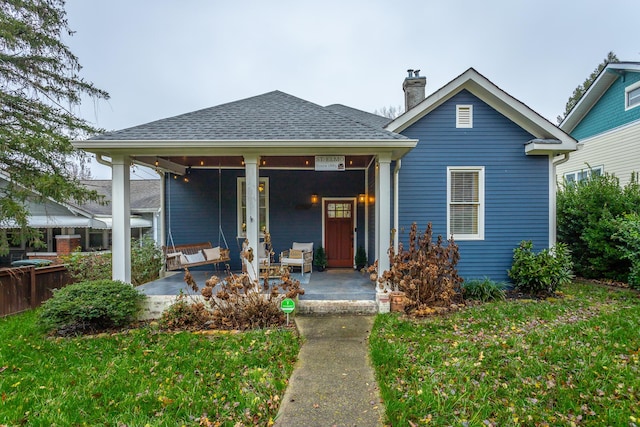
<point x="237" y="162"/>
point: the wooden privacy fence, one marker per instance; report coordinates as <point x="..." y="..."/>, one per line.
<point x="24" y="288"/>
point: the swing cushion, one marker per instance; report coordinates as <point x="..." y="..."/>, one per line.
<point x="212" y="254"/>
<point x="194" y="258"/>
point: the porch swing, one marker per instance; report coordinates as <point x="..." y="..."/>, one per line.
<point x="178" y="257"/>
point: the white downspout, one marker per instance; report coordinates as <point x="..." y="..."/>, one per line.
<point x="396" y="208"/>
<point x="553" y="217"/>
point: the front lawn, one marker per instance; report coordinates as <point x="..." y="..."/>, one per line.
<point x="142" y="377"/>
<point x="561" y="361"/>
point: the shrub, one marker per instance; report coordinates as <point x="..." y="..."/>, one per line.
<point x="85" y="267"/>
<point x="629" y="235"/>
<point x="483" y="290"/>
<point x="184" y="315"/>
<point x="320" y="259"/>
<point x="235" y="303"/>
<point x="541" y="272"/>
<point x="90" y="306"/>
<point x="360" y="258"/>
<point x="426" y="272"/>
<point x="586" y="214"/>
<point x="146" y="262"/>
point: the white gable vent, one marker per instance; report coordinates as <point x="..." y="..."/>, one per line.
<point x="464" y="116"/>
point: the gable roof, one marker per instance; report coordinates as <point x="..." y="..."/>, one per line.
<point x="548" y="138"/>
<point x="600" y="85"/>
<point x="271" y="116"/>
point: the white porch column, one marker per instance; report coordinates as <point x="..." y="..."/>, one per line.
<point x="383" y="203"/>
<point x="162" y="230"/>
<point x="253" y="211"/>
<point x="120" y="212"/>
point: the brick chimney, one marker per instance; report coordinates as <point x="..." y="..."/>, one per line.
<point x="413" y="88"/>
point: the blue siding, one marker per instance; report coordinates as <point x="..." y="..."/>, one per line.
<point x="609" y="112"/>
<point x="371" y="249"/>
<point x="193" y="210"/>
<point x="516" y="185"/>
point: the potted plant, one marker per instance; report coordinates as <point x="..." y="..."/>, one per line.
<point x="320" y="259"/>
<point x="361" y="258"/>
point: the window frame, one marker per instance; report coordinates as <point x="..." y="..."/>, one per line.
<point x="459" y="124"/>
<point x="241" y="208"/>
<point x="582" y="174"/>
<point x="480" y="203"/>
<point x="627" y="96"/>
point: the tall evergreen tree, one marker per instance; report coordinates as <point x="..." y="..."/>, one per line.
<point x="581" y="89"/>
<point x="40" y="87"/>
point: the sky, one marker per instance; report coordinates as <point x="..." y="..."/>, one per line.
<point x="162" y="58"/>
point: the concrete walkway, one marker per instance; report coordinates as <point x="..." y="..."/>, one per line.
<point x="333" y="383"/>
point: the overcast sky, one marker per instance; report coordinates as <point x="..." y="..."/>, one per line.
<point x="161" y="58"/>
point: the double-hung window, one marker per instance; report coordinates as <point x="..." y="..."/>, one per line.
<point x="263" y="205"/>
<point x="632" y="96"/>
<point x="465" y="202"/>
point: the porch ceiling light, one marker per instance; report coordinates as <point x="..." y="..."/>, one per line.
<point x="362" y="198"/>
<point x="314" y="198"/>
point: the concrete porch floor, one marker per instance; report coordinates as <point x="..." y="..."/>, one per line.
<point x="340" y="290"/>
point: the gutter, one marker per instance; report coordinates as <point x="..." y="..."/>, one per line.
<point x="100" y="159"/>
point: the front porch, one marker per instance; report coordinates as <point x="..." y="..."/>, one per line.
<point x="339" y="290"/>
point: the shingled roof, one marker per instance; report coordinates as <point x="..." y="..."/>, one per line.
<point x="144" y="196"/>
<point x="271" y="116"/>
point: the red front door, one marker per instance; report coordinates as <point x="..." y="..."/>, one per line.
<point x="338" y="235"/>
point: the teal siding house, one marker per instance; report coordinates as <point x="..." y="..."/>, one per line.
<point x="606" y="122"/>
<point x="469" y="158"/>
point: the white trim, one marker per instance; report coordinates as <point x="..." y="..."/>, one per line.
<point x="354" y="224"/>
<point x="397" y="147"/>
<point x="464" y="116"/>
<point x="383" y="205"/>
<point x="481" y="205"/>
<point x="239" y="181"/>
<point x="627" y="91"/>
<point x="553" y="217"/>
<point x="252" y="176"/>
<point x="121" y="213"/>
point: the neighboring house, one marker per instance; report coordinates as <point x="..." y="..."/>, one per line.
<point x="469" y="158"/>
<point x="144" y="207"/>
<point x="606" y="123"/>
<point x="88" y="225"/>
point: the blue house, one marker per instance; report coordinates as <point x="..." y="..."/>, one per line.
<point x="606" y="123"/>
<point x="472" y="160"/>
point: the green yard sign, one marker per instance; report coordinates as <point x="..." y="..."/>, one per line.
<point x="288" y="305"/>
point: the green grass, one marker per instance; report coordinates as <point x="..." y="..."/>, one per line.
<point x="565" y="361"/>
<point x="141" y="377"/>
